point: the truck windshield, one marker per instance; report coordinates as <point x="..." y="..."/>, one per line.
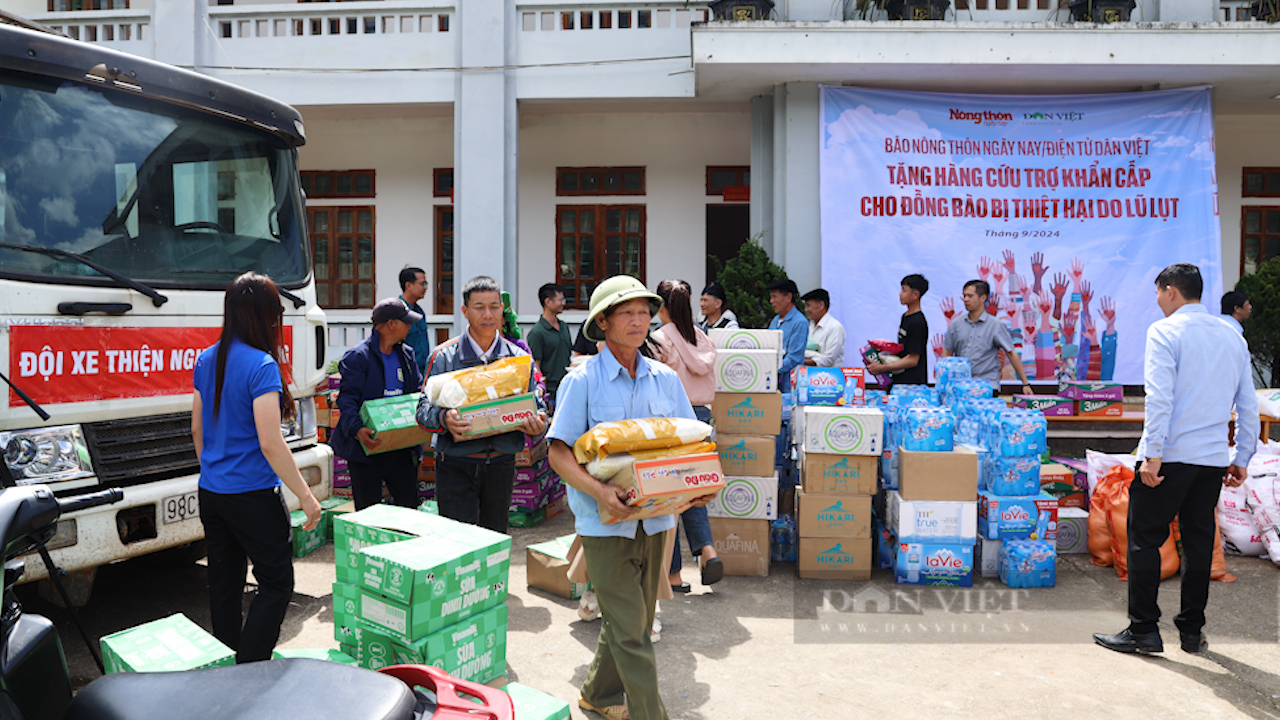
<point x="159" y="194"/>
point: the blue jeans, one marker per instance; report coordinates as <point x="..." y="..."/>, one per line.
<point x="697" y="528"/>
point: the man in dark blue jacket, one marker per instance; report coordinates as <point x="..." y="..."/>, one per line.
<point x="474" y="477"/>
<point x="379" y="366"/>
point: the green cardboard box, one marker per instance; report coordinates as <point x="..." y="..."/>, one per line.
<point x="394" y="422"/>
<point x="375" y="525"/>
<point x="350" y="651"/>
<point x="164" y="645"/>
<point x="429" y="506"/>
<point x="346" y="606"/>
<point x="305" y="541"/>
<point x="474" y="649"/>
<point x="547" y="568"/>
<point x="333" y="507"/>
<point x="531" y="704"/>
<point x="337" y="656"/>
<point x="526" y="518"/>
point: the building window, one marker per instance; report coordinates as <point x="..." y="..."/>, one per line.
<point x="1261" y="182"/>
<point x="338" y="183"/>
<point x="595" y="242"/>
<point x="442" y="182"/>
<point x="342" y="245"/>
<point x="600" y="181"/>
<point x="77" y="5"/>
<point x="1259" y="238"/>
<point x="720" y="177"/>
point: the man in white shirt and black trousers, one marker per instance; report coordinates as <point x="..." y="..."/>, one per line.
<point x="824" y="331"/>
<point x="1196" y="368"/>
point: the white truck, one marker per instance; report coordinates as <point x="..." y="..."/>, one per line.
<point x="131" y="194"/>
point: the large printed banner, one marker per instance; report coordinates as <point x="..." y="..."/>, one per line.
<point x="56" y="364"/>
<point x="1068" y="205"/>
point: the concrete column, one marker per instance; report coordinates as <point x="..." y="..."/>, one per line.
<point x="485" y="152"/>
<point x="762" y="168"/>
<point x="797" y="231"/>
<point x="180" y="31"/>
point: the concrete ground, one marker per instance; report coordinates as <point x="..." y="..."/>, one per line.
<point x="781" y="646"/>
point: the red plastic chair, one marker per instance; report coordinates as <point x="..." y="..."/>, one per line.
<point x="488" y="704"/>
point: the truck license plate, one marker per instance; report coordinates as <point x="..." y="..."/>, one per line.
<point x="181" y="507"/>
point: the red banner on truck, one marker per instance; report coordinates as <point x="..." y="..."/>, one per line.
<point x="78" y="364"/>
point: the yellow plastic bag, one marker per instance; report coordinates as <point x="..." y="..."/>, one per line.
<point x="604" y="468"/>
<point x="498" y="379"/>
<point x="610" y="438"/>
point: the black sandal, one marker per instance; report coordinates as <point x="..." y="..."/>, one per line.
<point x="682" y="588"/>
<point x="712" y="571"/>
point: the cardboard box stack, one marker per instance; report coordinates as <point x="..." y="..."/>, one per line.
<point x="839" y="441"/>
<point x="1018" y="522"/>
<point x="747" y="413"/>
<point x="536" y="488"/>
<point x="414" y="587"/>
<point x="1094" y="399"/>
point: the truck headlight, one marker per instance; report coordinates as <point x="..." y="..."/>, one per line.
<point x="46" y="455"/>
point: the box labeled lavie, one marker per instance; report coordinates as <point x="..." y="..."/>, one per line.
<point x="746" y="455"/>
<point x="829" y="386"/>
<point x="747" y="413"/>
<point x="664" y="486"/>
<point x="842" y="430"/>
<point x="1001" y="517"/>
<point x="393" y="423"/>
<point x="474" y="649"/>
<point x="746" y="498"/>
<point x="165" y="645"/>
<point x="827" y="558"/>
<point x="933" y="564"/>
<point x="746" y="371"/>
<point x="494" y="417"/>
<point x="838" y="474"/>
<point x="833" y="515"/>
<point x="742" y="545"/>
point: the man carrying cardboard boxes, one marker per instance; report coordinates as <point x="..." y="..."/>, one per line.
<point x="475" y="470"/>
<point x="380" y="366"/>
<point x="625" y="560"/>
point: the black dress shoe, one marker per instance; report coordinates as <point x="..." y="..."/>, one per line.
<point x="1126" y="641"/>
<point x="1193" y="643"/>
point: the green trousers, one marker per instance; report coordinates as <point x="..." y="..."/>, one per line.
<point x="625" y="573"/>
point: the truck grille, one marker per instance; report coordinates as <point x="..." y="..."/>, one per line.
<point x="134" y="451"/>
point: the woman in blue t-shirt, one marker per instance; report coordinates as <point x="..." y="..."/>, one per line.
<point x="240" y="398"/>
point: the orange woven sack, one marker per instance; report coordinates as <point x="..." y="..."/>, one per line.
<point x="1099" y="533"/>
<point x="1218" y="569"/>
<point x="1118" y="522"/>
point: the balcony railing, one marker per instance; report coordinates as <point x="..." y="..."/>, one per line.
<point x="125" y="30"/>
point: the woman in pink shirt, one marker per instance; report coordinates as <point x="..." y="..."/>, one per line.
<point x="688" y="351"/>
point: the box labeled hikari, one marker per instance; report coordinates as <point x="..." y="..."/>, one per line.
<point x="747" y="413"/>
<point x="1050" y="405"/>
<point x="746" y="455"/>
<point x="832" y="558"/>
<point x="933" y="564"/>
<point x="951" y="476"/>
<point x="746" y="498"/>
<point x="746" y="371"/>
<point x="847" y="516"/>
<point x="164" y="645"/>
<point x="742" y="545"/>
<point x="547" y="564"/>
<point x="1073" y="530"/>
<point x="829" y="386"/>
<point x="664" y="486"/>
<point x="932" y="521"/>
<point x="474" y="649"/>
<point x="838" y="474"/>
<point x="1091" y="390"/>
<point x="1017" y="518"/>
<point x="531" y="704"/>
<point x="394" y="423"/>
<point x="842" y="431"/>
<point x="1100" y="408"/>
<point x="495" y="417"/>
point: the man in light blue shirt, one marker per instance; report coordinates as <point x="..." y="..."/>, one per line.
<point x="1236" y="308"/>
<point x="625" y="560"/>
<point x="794" y="327"/>
<point x="1196" y="369"/>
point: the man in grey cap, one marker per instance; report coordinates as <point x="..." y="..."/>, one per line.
<point x="379" y="366"/>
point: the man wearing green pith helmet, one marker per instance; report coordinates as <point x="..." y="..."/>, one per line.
<point x="626" y="560"/>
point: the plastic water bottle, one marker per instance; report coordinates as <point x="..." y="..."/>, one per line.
<point x="913" y="564"/>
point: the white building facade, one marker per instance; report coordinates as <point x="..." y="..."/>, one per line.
<point x="567" y="140"/>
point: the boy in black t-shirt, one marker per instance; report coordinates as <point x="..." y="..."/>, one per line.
<point x="913" y="335"/>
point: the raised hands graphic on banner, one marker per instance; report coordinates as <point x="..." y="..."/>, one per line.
<point x="1009" y="262"/>
<point x="1069" y="326"/>
<point x="997" y="277"/>
<point x="1045" y="302"/>
<point x="937" y="345"/>
<point x="1107" y="363"/>
<point x="948" y="306"/>
<point x="1038" y="269"/>
<point x="1029" y="315"/>
<point x="1010" y="310"/>
<point x="1090" y="329"/>
<point x="993" y="305"/>
<point x="1109" y="313"/>
<point x="1077" y="272"/>
<point x="984" y="268"/>
<point x="1086" y="294"/>
<point x="1059" y="289"/>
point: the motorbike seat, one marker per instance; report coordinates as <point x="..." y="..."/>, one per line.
<point x="288" y="689"/>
